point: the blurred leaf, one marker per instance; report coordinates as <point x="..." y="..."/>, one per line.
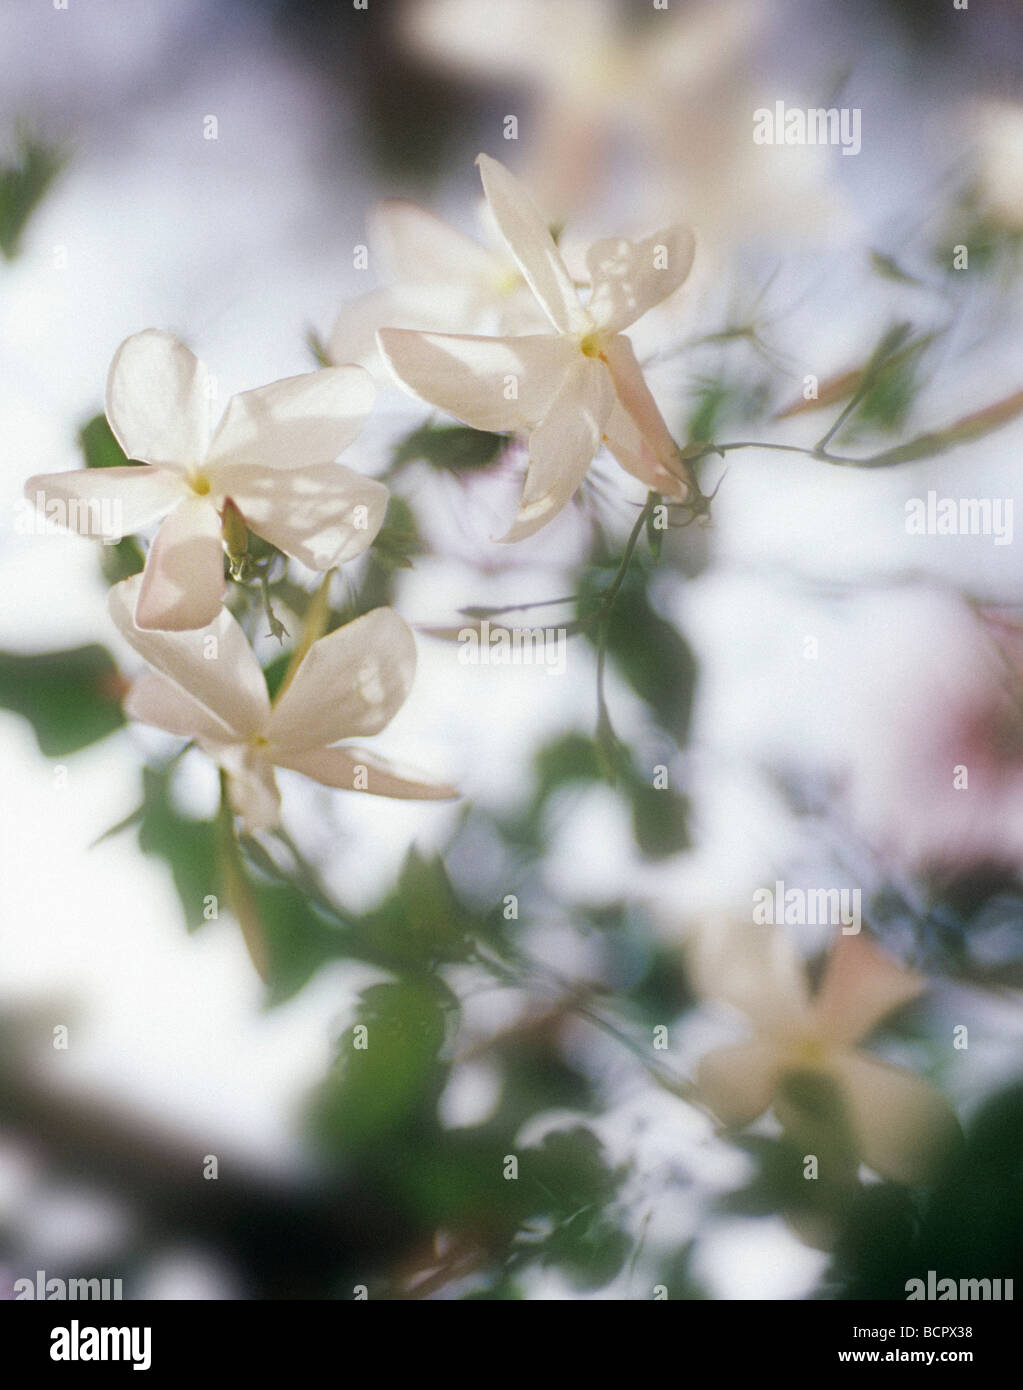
<point x="275" y="671"/>
<point x="709" y="411"/>
<point x="648" y="651"/>
<point x="421" y="921"/>
<point x="889" y="269"/>
<point x="576" y="1186"/>
<point x="96" y="441"/>
<point x="318" y="348"/>
<point x="589" y="1248"/>
<point x="376" y="1091"/>
<point x="453" y="447"/>
<point x="189" y="847"/>
<point x="660" y="817"/>
<point x="962" y="431"/>
<point x="888" y="385"/>
<point x="659" y="814"/>
<point x="122" y="560"/>
<point x="71" y="698"/>
<point x="571" y="758"/>
<point x="398" y="538"/>
<point x="829" y="392"/>
<point x="24" y="182"/>
<point x="299" y="940"/>
<point x="969" y="1227"/>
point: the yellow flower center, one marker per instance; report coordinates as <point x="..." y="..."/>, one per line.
<point x="200" y="484"/>
<point x="508" y="282"/>
<point x="807" y="1052"/>
<point x="591" y="345"/>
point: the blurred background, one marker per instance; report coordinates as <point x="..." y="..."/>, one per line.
<point x="785" y="692"/>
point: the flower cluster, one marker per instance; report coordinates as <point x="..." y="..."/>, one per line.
<point x="507" y="341"/>
<point x="270" y="467"/>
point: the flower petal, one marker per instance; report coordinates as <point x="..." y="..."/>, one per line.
<point x="155" y="700"/>
<point x="428" y="308"/>
<point x="904" y="1128"/>
<point x="491" y="383"/>
<point x="215" y="666"/>
<point x="636" y="398"/>
<point x="295" y="422"/>
<point x="183" y="582"/>
<point x="251" y="788"/>
<point x="737" y="1083"/>
<point x="158" y="401"/>
<point x="352" y="682"/>
<point x="416" y="246"/>
<point x="754" y="969"/>
<point x="107" y="502"/>
<point x="533" y="247"/>
<point x="860" y="986"/>
<point x="322" y="515"/>
<point x="354" y="769"/>
<point x="562" y="447"/>
<point x="630" y="277"/>
<point x="633" y="452"/>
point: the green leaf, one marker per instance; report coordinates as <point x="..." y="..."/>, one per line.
<point x="421" y="921"/>
<point x="660" y="818"/>
<point x="122" y="560"/>
<point x="647" y="650"/>
<point x="189" y="847"/>
<point x="96" y="441"/>
<point x="571" y="758"/>
<point x="23" y="184"/>
<point x="71" y="698"/>
<point x="398" y="538"/>
<point x="274" y="672"/>
<point x="453" y="447"/>
<point x="378" y="1090"/>
<point x="299" y="939"/>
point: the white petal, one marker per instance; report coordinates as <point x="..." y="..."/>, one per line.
<point x="905" y="1129"/>
<point x="158" y="398"/>
<point x="635" y="397"/>
<point x="354" y="769"/>
<point x="251" y="788"/>
<point x="622" y="437"/>
<point x="352" y="682"/>
<point x="295" y="422"/>
<point x="416" y="246"/>
<point x="490" y="383"/>
<point x="428" y="308"/>
<point x="323" y="516"/>
<point x="630" y="277"/>
<point x="562" y="447"/>
<point x="108" y="502"/>
<point x="533" y="247"/>
<point x="755" y="970"/>
<point x="183" y="583"/>
<point x="155" y="700"/>
<point x="737" y="1083"/>
<point x="860" y="986"/>
<point x="214" y="666"/>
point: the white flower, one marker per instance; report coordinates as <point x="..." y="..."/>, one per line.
<point x="441" y="280"/>
<point x="207" y="685"/>
<point x="900" y="1125"/>
<point x="575" y="388"/>
<point x="270" y="455"/>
